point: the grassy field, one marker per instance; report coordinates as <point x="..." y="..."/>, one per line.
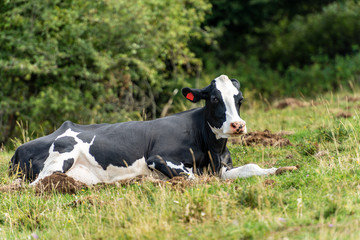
<point x="320" y="201"/>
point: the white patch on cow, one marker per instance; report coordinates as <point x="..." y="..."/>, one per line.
<point x="246" y="171"/>
<point x="191" y="174"/>
<point x="55" y="160"/>
<point x="189" y="171"/>
<point x="228" y="91"/>
<point x="152" y="166"/>
<point x="90" y="172"/>
<point x="219" y="133"/>
<point x="68" y="133"/>
<point x="85" y="168"/>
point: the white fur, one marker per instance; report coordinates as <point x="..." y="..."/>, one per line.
<point x="85" y="171"/>
<point x="188" y="171"/>
<point x="246" y="171"/>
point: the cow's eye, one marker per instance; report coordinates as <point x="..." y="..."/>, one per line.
<point x="214" y="99"/>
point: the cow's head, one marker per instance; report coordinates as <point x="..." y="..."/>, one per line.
<point x="223" y="100"/>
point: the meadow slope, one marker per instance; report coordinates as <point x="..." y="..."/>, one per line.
<point x="320" y="201"/>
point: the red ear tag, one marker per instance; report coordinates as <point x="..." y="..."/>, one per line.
<point x="190" y="96"/>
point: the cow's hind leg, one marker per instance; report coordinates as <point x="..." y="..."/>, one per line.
<point x="169" y="168"/>
<point x="247" y="170"/>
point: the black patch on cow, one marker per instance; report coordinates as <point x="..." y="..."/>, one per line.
<point x="67" y="164"/>
<point x="64" y="144"/>
<point x="86" y="136"/>
<point x="215" y="110"/>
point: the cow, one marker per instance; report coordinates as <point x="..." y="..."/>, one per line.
<point x="183" y="144"/>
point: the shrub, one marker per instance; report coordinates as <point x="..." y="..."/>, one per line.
<point x="92" y="60"/>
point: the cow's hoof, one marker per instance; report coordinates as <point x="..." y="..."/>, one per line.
<point x="286" y="169"/>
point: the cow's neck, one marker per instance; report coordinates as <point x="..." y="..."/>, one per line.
<point x="215" y="146"/>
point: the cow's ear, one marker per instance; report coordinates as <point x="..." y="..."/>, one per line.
<point x="193" y="95"/>
<point x="235" y="83"/>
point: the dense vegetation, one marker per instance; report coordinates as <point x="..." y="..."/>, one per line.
<point x="320" y="201"/>
<point x="286" y="48"/>
<point x="92" y="61"/>
<point x="116" y="60"/>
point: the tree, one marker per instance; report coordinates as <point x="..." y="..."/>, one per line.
<point x="90" y="61"/>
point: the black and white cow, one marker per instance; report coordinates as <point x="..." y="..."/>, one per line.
<point x="182" y="144"/>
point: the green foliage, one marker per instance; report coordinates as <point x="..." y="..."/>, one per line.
<point x="248" y="27"/>
<point x="333" y="31"/>
<point x="285" y="48"/>
<point x="310" y="80"/>
<point x="308" y="148"/>
<point x="336" y="134"/>
<point x="90" y="61"/>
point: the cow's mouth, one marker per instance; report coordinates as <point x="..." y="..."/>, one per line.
<point x="237" y="134"/>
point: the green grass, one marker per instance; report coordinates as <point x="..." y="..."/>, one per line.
<point x="321" y="201"/>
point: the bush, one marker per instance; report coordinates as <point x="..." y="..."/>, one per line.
<point x="90" y="61"/>
<point x="332" y="32"/>
<point x="260" y="80"/>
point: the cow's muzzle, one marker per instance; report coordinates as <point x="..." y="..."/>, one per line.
<point x="238" y="127"/>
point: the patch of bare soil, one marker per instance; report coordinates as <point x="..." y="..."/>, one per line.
<point x="87" y="200"/>
<point x="59" y="182"/>
<point x="136" y="180"/>
<point x="175" y="182"/>
<point x="322" y="154"/>
<point x="292" y="102"/>
<point x="352" y="99"/>
<point x="182" y="183"/>
<point x="265" y="138"/>
<point x="269" y="182"/>
<point x="16" y="185"/>
<point x="287" y="169"/>
<point x="344" y="115"/>
<point x="285" y="133"/>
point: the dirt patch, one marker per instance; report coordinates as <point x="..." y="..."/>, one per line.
<point x="287" y="169"/>
<point x="285" y="133"/>
<point x="265" y="138"/>
<point x="175" y="182"/>
<point x="87" y="200"/>
<point x="269" y="182"/>
<point x="182" y="183"/>
<point x="344" y="115"/>
<point x="133" y="181"/>
<point x="352" y="99"/>
<point x="291" y="102"/>
<point x="322" y="154"/>
<point x="16" y="185"/>
<point x="59" y="182"/>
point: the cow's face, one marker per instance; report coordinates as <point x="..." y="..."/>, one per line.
<point x="223" y="100"/>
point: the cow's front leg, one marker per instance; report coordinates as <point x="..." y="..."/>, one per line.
<point x="251" y="169"/>
<point x="169" y="168"/>
<point x="245" y="171"/>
